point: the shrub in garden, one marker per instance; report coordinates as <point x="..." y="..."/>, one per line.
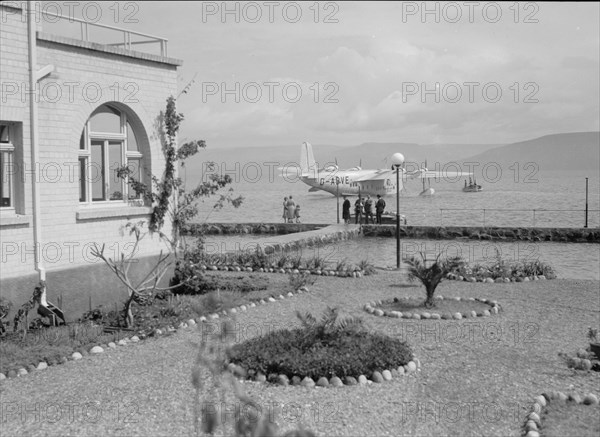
<point x="329" y="347"/>
<point x="298" y="280"/>
<point x="192" y="280"/>
<point x="431" y="276"/>
<point x="367" y="267"/>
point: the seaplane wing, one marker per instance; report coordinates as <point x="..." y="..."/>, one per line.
<point x="376" y="175"/>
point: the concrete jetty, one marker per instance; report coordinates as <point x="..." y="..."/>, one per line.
<point x="317" y="237"/>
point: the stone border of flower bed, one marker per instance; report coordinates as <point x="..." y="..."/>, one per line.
<point x="98" y="349"/>
<point x="412" y="366"/>
<point x="234" y="268"/>
<point x="533" y="420"/>
<point x="455" y="277"/>
<point x="370" y="307"/>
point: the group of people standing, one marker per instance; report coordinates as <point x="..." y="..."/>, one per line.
<point x="364" y="209"/>
<point x="291" y="211"/>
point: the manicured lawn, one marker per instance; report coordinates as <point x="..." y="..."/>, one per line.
<point x="562" y="419"/>
<point x="478" y="376"/>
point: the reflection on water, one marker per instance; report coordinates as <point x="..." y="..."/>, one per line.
<point x="575" y="261"/>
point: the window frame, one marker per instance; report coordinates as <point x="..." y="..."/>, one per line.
<point x="85" y="154"/>
<point x="9" y="148"/>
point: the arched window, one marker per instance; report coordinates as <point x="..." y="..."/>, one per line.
<point x="108" y="142"/>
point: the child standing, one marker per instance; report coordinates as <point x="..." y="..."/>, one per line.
<point x="297" y="213"/>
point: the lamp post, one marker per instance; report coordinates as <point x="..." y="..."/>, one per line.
<point x="397" y="161"/>
<point x="586" y="203"/>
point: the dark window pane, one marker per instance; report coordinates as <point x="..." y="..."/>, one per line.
<point x="4" y="137"/>
<point x="97" y="171"/>
<point x="115" y="183"/>
<point x="82" y="180"/>
<point x="134" y="168"/>
<point x="5" y="179"/>
<point x="82" y="141"/>
<point x="106" y="119"/>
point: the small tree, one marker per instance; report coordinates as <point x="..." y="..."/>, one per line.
<point x="431" y="276"/>
<point x="172" y="202"/>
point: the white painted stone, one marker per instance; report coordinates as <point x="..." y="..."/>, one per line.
<point x="191" y="322"/>
<point x="387" y="375"/>
<point x="112" y="345"/>
<point x="96" y="350"/>
<point x="76" y="356"/>
<point x="411" y="366"/>
<point x="42" y="365"/>
<point x="135" y="339"/>
<point x="362" y="379"/>
<point x="22" y="372"/>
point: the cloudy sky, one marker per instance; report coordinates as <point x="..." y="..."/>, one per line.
<point x="351" y="72"/>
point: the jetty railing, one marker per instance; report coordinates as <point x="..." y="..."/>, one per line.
<point x="536" y="220"/>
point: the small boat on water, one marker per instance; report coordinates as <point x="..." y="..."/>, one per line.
<point x="472" y="187"/>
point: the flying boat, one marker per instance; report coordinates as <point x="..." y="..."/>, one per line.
<point x="358" y="181"/>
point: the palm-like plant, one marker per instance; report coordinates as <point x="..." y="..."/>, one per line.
<point x="431" y="276"/>
<point x="329" y="323"/>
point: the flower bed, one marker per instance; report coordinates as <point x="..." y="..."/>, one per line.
<point x="330" y="351"/>
<point x="430" y="314"/>
<point x="161" y="326"/>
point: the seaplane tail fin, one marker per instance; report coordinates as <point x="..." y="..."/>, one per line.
<point x="308" y="166"/>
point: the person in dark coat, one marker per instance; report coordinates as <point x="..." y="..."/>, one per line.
<point x="379" y="208"/>
<point x="359" y="208"/>
<point x="346" y="210"/>
<point x="369" y="210"/>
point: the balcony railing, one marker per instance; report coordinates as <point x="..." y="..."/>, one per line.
<point x="127" y="43"/>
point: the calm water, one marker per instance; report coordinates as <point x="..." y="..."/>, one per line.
<point x="510" y="201"/>
<point x="573" y="261"/>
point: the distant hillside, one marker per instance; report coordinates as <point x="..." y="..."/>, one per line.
<point x="569" y="151"/>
